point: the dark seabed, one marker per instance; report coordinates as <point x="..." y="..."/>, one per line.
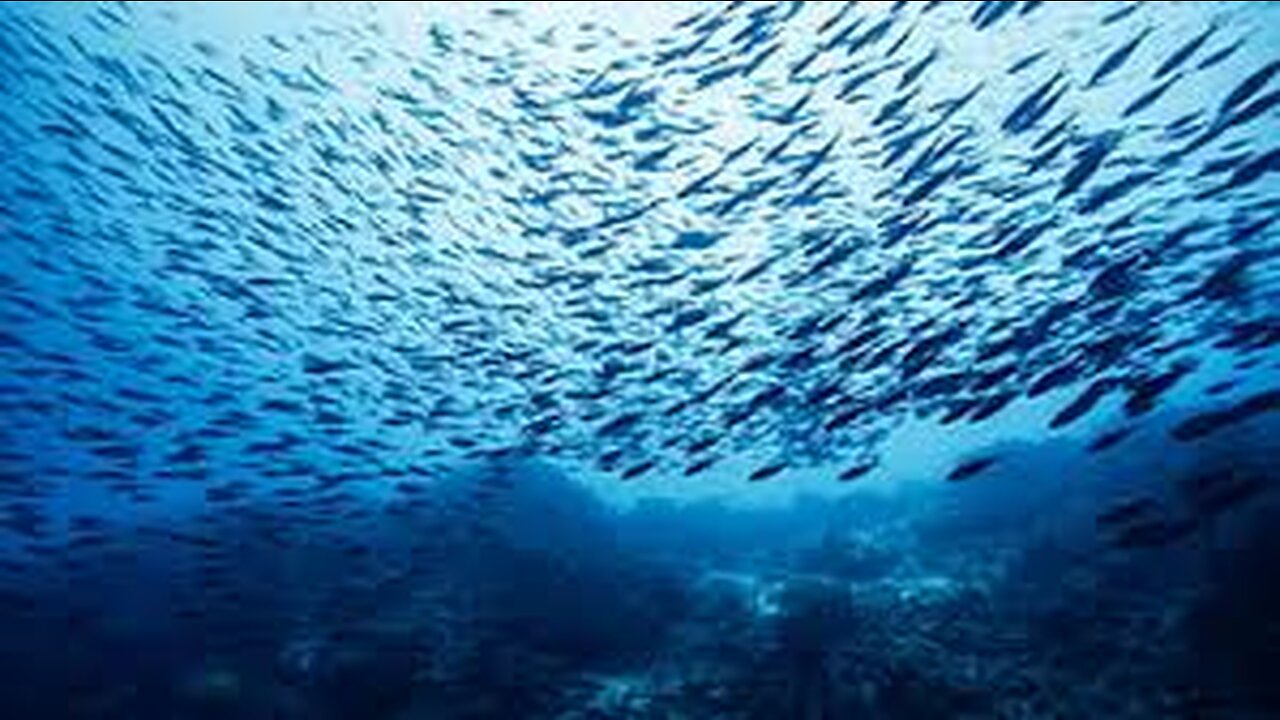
<point x="745" y="360"/>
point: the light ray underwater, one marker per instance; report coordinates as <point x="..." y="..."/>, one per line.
<point x="743" y="360"/>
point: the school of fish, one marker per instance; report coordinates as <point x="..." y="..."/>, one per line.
<point x="319" y="262"/>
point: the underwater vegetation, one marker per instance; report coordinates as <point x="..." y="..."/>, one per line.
<point x="656" y="360"/>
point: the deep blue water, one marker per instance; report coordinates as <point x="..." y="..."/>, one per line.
<point x="639" y="360"/>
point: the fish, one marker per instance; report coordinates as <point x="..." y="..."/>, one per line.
<point x="1149" y="98"/>
<point x="1221" y="55"/>
<point x="1145" y="388"/>
<point x="1248" y="87"/>
<point x="1088" y="161"/>
<point x="1248" y="172"/>
<point x="1108" y="439"/>
<point x="1027" y="61"/>
<point x="1035" y="105"/>
<point x="989" y="12"/>
<point x="1156" y="532"/>
<point x="638" y="469"/>
<point x="1128" y="511"/>
<point x="1118" y="57"/>
<point x="970" y="468"/>
<point x="1184" y="52"/>
<point x="856" y="471"/>
<point x="1213" y="493"/>
<point x="1114" y="191"/>
<point x="1118" y="15"/>
<point x="1202" y="424"/>
<point x="765" y="472"/>
<point x="319" y="265"/>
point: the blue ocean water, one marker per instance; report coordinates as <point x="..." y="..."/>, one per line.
<point x="639" y="360"/>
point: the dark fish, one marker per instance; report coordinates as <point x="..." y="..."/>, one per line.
<point x="1248" y="172"/>
<point x="1144" y="391"/>
<point x="699" y="466"/>
<point x="1156" y="532"/>
<point x="1149" y="98"/>
<point x="1088" y="161"/>
<point x="635" y="471"/>
<point x="856" y="471"/>
<point x="1213" y="493"/>
<point x="912" y="74"/>
<point x="926" y="351"/>
<point x="991" y="405"/>
<point x="970" y="468"/>
<point x="703" y="444"/>
<point x="1118" y="15"/>
<point x="688" y="318"/>
<point x="1027" y="61"/>
<point x="989" y="12"/>
<point x="881" y="285"/>
<point x="1203" y="424"/>
<point x="1251" y="335"/>
<point x="1115" y="280"/>
<point x="766" y="471"/>
<point x="1179" y="57"/>
<point x="1254" y="110"/>
<point x="932" y="183"/>
<point x="1116" y="190"/>
<point x="316" y="365"/>
<point x="1084" y="402"/>
<point x="845" y="417"/>
<point x="1221" y="55"/>
<point x="874" y="34"/>
<point x="1227" y="281"/>
<point x="696" y="240"/>
<point x="619" y="424"/>
<point x="1249" y="87"/>
<point x="1117" y="58"/>
<point x="1128" y="511"/>
<point x="1109" y="439"/>
<point x="1034" y="106"/>
<point x="1021" y="240"/>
